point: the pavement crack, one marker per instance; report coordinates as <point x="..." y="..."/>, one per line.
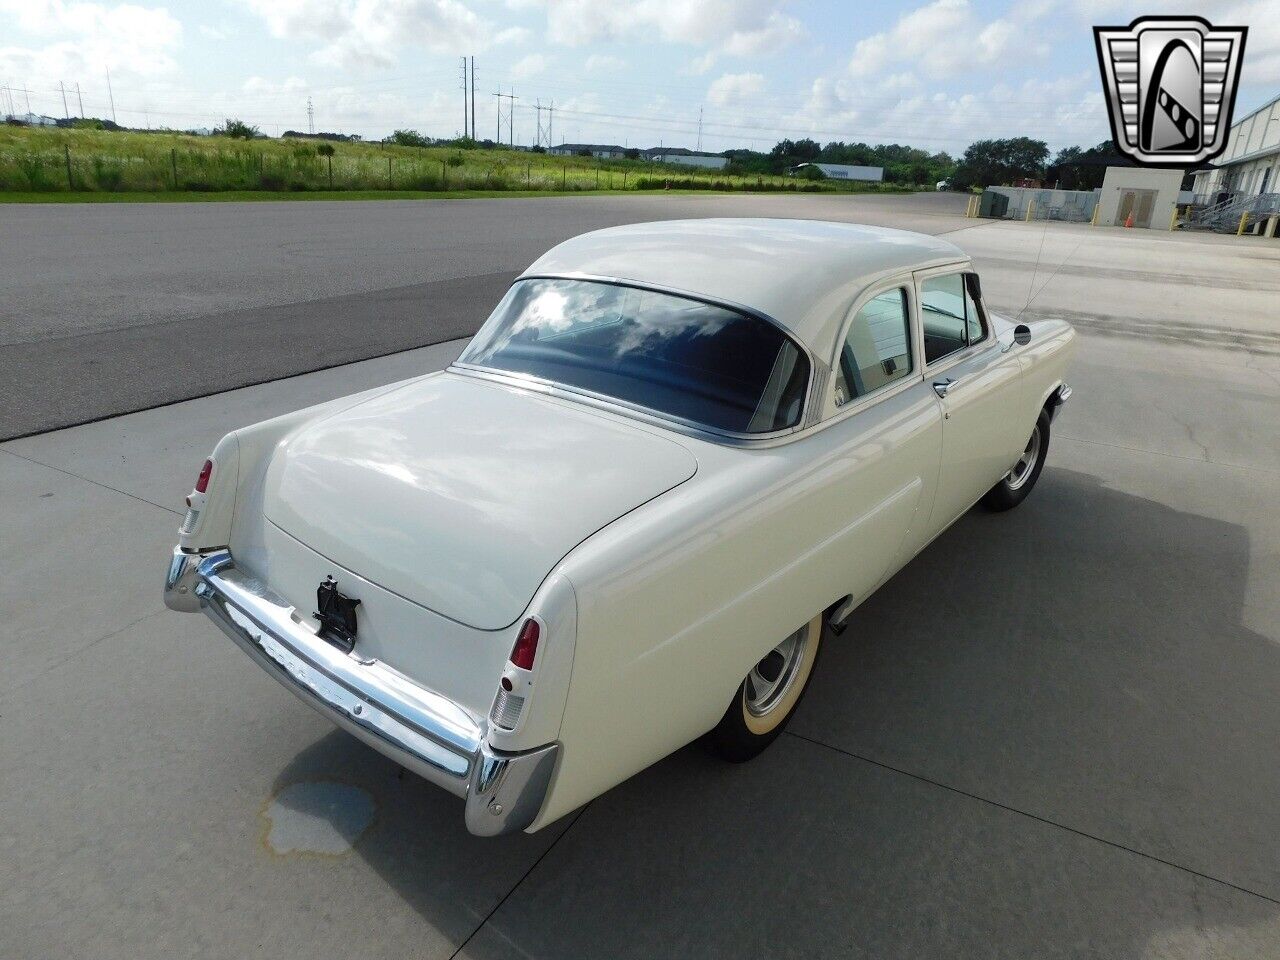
<point x="959" y="791"/>
<point x="1191" y="433"/>
<point x="96" y="483"/>
<point x="525" y="876"/>
<point x="79" y="652"/>
<point x="1171" y="456"/>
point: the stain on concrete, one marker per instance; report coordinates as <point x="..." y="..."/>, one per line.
<point x="318" y="817"/>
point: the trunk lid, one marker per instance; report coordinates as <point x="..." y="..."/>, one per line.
<point x="461" y="495"/>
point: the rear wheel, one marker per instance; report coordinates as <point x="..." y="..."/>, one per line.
<point x="1017" y="483"/>
<point x="768" y="696"/>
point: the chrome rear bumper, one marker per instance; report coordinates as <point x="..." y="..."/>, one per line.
<point x="423" y="731"/>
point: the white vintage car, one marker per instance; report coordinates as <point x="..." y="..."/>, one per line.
<point x="675" y="456"/>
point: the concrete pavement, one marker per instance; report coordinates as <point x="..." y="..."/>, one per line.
<point x="1052" y="734"/>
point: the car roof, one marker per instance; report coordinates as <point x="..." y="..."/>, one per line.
<point x="804" y="274"/>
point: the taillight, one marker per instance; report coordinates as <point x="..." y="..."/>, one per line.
<point x="526" y="647"/>
<point x="202" y="481"/>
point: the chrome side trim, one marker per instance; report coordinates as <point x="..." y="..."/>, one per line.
<point x="420" y="729"/>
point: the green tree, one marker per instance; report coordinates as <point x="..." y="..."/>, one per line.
<point x="997" y="162"/>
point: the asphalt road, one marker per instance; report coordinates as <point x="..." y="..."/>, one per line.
<point x="1052" y="735"/>
<point x="111" y="308"/>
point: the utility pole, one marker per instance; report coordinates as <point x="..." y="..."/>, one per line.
<point x="551" y="116"/>
<point x="464" y="96"/>
<point x="699" y="129"/>
<point x="65" y="112"/>
<point x="311" y="117"/>
<point x="498" y="140"/>
<point x="80" y="98"/>
<point x="537" y="105"/>
<point x="511" y="117"/>
<point x="111" y="96"/>
<point x="473" y="98"/>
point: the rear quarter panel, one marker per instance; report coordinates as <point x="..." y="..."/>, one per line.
<point x="679" y="598"/>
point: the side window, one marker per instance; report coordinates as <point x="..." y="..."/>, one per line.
<point x="877" y="349"/>
<point x="942" y="314"/>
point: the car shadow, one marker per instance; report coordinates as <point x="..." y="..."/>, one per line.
<point x="1079" y="663"/>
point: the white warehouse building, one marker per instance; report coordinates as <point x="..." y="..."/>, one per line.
<point x="1251" y="163"/>
<point x="843" y="171"/>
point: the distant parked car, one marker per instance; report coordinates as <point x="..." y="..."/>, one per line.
<point x="942" y="185"/>
<point x="664" y="472"/>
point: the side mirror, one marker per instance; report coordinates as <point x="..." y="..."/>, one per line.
<point x="1022" y="334"/>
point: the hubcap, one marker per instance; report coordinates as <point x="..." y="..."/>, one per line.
<point x="1026" y="463"/>
<point x="771" y="678"/>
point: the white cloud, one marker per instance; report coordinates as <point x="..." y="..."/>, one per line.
<point x="516" y="36"/>
<point x="604" y="63"/>
<point x="529" y="66"/>
<point x="85" y="38"/>
<point x="899" y="108"/>
<point x="941" y="39"/>
<point x="359" y="33"/>
<point x="737" y="27"/>
<point x="735" y="89"/>
<point x="213" y="33"/>
<point x="260" y="86"/>
<point x="1262" y="51"/>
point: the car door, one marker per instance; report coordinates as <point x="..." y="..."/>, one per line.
<point x="886" y="421"/>
<point x="977" y="384"/>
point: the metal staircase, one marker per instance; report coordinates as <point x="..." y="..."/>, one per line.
<point x="1224" y="217"/>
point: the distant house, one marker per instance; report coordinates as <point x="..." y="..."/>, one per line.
<point x="605" y="151"/>
<point x="685" y="157"/>
<point x="842" y="171"/>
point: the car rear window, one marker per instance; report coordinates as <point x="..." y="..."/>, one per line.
<point x="676" y="356"/>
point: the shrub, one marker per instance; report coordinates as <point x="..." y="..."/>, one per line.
<point x="108" y="176"/>
<point x="324" y="149"/>
<point x="236" y="130"/>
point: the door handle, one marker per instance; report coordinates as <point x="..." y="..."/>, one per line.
<point x="944" y="386"/>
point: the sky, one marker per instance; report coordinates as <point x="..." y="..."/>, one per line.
<point x="936" y="75"/>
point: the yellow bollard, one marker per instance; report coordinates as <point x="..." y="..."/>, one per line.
<point x="1031" y="205"/>
<point x="1173" y="220"/>
<point x="1244" y="220"/>
<point x="1093" y="221"/>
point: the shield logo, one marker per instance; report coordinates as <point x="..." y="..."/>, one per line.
<point x="1171" y="87"/>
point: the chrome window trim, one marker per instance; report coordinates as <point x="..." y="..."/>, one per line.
<point x="914" y="375"/>
<point x="648" y="414"/>
<point x="970" y="349"/>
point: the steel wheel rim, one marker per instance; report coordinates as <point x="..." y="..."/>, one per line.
<point x="1026" y="463"/>
<point x="770" y="680"/>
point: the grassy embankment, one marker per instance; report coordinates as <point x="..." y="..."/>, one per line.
<point x="51" y="164"/>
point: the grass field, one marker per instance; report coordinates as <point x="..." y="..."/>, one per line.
<point x="52" y="163"/>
